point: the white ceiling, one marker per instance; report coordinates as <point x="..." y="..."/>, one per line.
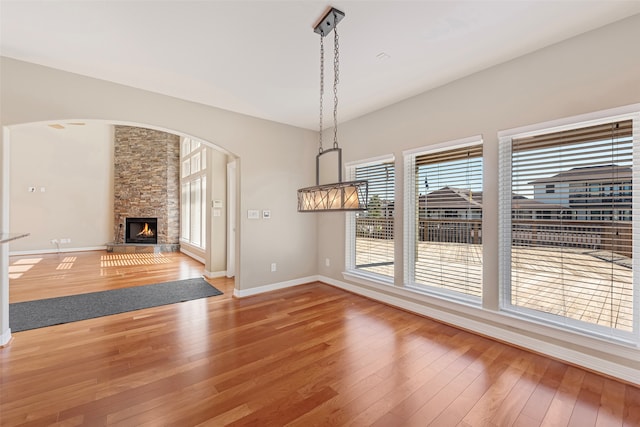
<point x="261" y="58"/>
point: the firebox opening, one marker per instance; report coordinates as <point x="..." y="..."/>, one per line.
<point x="141" y="230"/>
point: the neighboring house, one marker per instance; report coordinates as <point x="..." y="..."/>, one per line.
<point x="589" y="192"/>
<point x="451" y="202"/>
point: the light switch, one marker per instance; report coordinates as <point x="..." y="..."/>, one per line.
<point x="253" y="214"/>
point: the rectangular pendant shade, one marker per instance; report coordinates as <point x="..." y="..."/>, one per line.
<point x="340" y="196"/>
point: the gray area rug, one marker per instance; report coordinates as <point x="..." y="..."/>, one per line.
<point x="54" y="311"/>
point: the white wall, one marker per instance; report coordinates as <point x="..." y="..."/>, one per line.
<point x="74" y="166"/>
<point x="274" y="159"/>
<point x="595" y="71"/>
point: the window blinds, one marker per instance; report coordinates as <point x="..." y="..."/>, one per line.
<point x="571" y="225"/>
<point x="373" y="228"/>
<point x="447" y="227"/>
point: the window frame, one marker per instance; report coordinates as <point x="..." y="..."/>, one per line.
<point x="411" y="210"/>
<point x="350" y="224"/>
<point x="505" y="138"/>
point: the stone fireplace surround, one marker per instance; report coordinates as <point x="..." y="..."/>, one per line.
<point x="147" y="182"/>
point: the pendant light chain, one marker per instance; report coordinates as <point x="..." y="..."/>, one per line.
<point x="336" y="80"/>
<point x="321" y="88"/>
<point x="340" y="196"/>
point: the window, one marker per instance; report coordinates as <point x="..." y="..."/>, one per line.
<point x="185" y="207"/>
<point x="370" y="243"/>
<point x="568" y="259"/>
<point x="193" y="202"/>
<point x="443" y="219"/>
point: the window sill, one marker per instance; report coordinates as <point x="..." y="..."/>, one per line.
<point x="365" y="278"/>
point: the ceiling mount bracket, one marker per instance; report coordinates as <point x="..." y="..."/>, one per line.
<point x="328" y="21"/>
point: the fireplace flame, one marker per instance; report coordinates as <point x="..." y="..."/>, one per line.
<point x="146" y="231"/>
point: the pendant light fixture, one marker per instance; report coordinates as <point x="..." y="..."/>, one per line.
<point x="339" y="196"/>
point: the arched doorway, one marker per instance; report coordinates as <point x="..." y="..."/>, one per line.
<point x="12" y="132"/>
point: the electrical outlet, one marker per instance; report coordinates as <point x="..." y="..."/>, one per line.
<point x="54" y="241"/>
<point x="65" y="240"/>
<point x="273" y="267"/>
<point x="327" y="262"/>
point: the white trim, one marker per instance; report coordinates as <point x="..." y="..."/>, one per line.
<point x="505" y="138"/>
<point x="214" y="274"/>
<point x="409" y="230"/>
<point x="231" y="217"/>
<point x="371" y="161"/>
<point x="635" y="232"/>
<point x="241" y="293"/>
<point x="365" y="277"/>
<point x="505" y="199"/>
<point x="5" y="337"/>
<point x="589" y="119"/>
<point x="411" y="215"/>
<point x="190" y="254"/>
<point x="506" y="330"/>
<point x="350" y="217"/>
<point x="5" y="330"/>
<point x="55" y="251"/>
<point x="349" y="242"/>
<point x="441" y="146"/>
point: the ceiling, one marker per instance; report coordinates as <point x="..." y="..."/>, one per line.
<point x="261" y="58"/>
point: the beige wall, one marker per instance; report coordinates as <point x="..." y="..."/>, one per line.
<point x="595" y="71"/>
<point x="217" y="240"/>
<point x="274" y="159"/>
<point x="74" y="166"/>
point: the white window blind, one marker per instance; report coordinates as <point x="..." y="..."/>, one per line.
<point x="370" y="244"/>
<point x="444" y="219"/>
<point x="568" y="220"/>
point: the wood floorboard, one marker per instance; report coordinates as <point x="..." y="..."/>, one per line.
<point x="311" y="355"/>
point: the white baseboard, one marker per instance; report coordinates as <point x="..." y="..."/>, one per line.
<point x="5" y="337"/>
<point x="55" y="251"/>
<point x="566" y="354"/>
<point x="241" y="293"/>
<point x="214" y="274"/>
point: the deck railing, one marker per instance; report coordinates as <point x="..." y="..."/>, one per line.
<point x="450" y="231"/>
<point x="595" y="235"/>
<point x="374" y="228"/>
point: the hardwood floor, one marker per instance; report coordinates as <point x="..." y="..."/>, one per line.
<point x="308" y="355"/>
<point x="49" y="276"/>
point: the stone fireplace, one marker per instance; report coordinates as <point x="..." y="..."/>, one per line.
<point x="146" y="185"/>
<point x="141" y="230"/>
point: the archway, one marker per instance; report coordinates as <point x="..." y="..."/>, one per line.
<point x="6" y="199"/>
